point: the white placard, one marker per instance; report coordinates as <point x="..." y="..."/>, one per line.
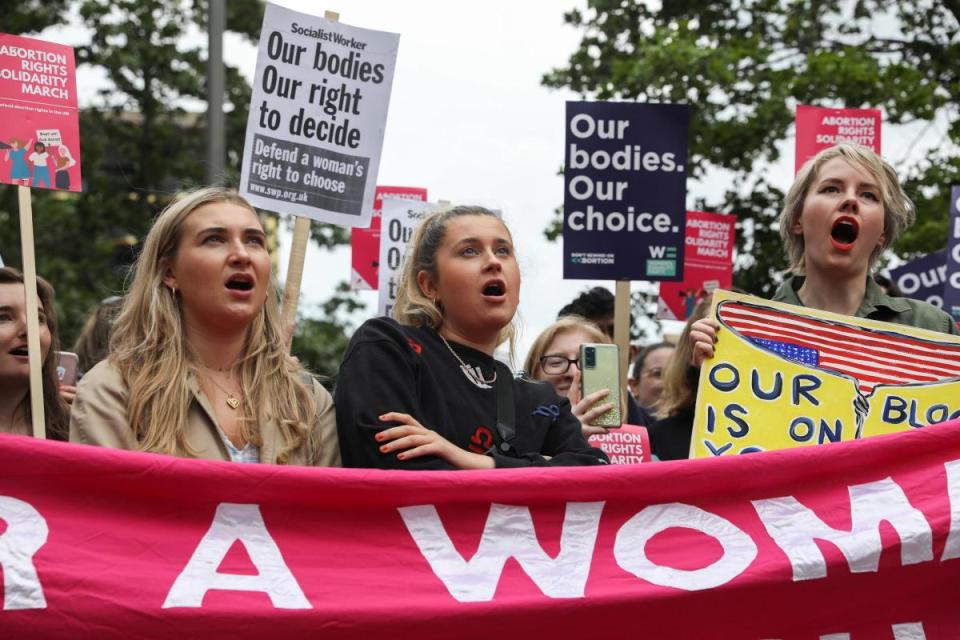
<point x="49" y="137"/>
<point x="399" y="218"/>
<point x="317" y="117"/>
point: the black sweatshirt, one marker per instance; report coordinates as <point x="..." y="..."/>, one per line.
<point x="390" y="367"/>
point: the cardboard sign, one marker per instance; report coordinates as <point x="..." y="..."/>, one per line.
<point x="923" y="278"/>
<point x="365" y="243"/>
<point x="951" y="287"/>
<point x="399" y="218"/>
<point x="819" y="128"/>
<point x="625" y="184"/>
<point x="317" y="117"/>
<point x="40" y="130"/>
<point x="707" y="264"/>
<point x="859" y="540"/>
<point x="785" y="376"/>
<point x="629" y="444"/>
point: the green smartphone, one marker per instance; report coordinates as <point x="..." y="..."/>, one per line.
<point x="600" y="369"/>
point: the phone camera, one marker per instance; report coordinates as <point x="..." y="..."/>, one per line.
<point x="590" y="354"/>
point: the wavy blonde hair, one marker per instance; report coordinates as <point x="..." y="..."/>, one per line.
<point x="898" y="209"/>
<point x="679" y="378"/>
<point x="412" y="307"/>
<point x="151" y="351"/>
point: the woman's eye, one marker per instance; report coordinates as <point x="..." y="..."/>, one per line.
<point x="212" y="240"/>
<point x="869" y="195"/>
<point x="469" y="251"/>
<point x="5" y="317"/>
<point x="256" y="240"/>
<point x="829" y="189"/>
<point x="504" y="251"/>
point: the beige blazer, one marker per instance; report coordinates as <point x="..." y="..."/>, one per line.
<point x="99" y="417"/>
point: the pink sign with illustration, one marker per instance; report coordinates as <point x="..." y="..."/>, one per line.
<point x="39" y="126"/>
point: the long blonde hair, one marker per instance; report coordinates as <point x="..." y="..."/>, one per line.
<point x="151" y="352"/>
<point x="679" y="378"/>
<point x="412" y="307"/>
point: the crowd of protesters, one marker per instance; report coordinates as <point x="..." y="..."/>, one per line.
<point x="192" y="361"/>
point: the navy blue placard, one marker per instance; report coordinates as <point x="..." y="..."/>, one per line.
<point x="922" y="278"/>
<point x="625" y="188"/>
<point x="951" y="288"/>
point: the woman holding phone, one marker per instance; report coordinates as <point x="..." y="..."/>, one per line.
<point x="15" y="416"/>
<point x="423" y="390"/>
<point x="846" y="206"/>
<point x="198" y="364"/>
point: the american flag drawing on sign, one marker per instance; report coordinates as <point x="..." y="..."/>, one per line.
<point x="870" y="357"/>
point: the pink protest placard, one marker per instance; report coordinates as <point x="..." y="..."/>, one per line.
<point x="627" y="445"/>
<point x="39" y="125"/>
<point x="365" y="243"/>
<point x="819" y="128"/>
<point x="707" y="264"/>
<point x="849" y="540"/>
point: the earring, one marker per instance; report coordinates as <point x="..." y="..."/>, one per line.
<point x="173" y="291"/>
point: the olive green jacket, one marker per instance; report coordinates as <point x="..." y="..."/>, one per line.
<point x="877" y="305"/>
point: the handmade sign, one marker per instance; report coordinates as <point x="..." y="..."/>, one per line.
<point x="707" y="264"/>
<point x="785" y="376"/>
<point x="400" y="217"/>
<point x="951" y="288"/>
<point x="859" y="538"/>
<point x="819" y="128"/>
<point x="923" y="278"/>
<point x="317" y="117"/>
<point x="625" y="193"/>
<point x="40" y="131"/>
<point x="365" y="243"/>
<point x="629" y="444"/>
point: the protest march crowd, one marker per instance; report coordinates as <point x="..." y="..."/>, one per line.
<point x="193" y="361"/>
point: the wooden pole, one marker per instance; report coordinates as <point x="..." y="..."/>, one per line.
<point x="33" y="318"/>
<point x="621" y="329"/>
<point x="298" y="251"/>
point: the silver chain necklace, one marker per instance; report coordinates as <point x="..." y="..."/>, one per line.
<point x="473" y="374"/>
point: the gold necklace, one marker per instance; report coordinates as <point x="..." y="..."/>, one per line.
<point x="232" y="401"/>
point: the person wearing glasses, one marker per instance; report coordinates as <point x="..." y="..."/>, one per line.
<point x="554" y="358"/>
<point x="422" y="390"/>
<point x="646" y="378"/>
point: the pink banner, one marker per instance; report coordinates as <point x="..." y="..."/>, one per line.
<point x="39" y="121"/>
<point x="855" y="540"/>
<point x="819" y="128"/>
<point x="707" y="264"/>
<point x="365" y="243"/>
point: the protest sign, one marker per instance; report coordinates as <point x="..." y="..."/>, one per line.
<point x="317" y="117"/>
<point x="365" y="243"/>
<point x="625" y="191"/>
<point x="399" y="218"/>
<point x="819" y="128"/>
<point x="951" y="288"/>
<point x="785" y="376"/>
<point x="860" y="538"/>
<point x="40" y="139"/>
<point x="707" y="264"/>
<point x="923" y="278"/>
<point x="629" y="444"/>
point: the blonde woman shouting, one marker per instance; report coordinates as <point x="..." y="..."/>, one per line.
<point x="198" y="365"/>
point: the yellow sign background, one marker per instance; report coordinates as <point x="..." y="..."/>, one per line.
<point x="752" y="399"/>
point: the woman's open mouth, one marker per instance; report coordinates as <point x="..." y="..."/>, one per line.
<point x="494" y="289"/>
<point x="843" y="234"/>
<point x="241" y="283"/>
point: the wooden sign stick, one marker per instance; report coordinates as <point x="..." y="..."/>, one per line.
<point x="621" y="328"/>
<point x="33" y="318"/>
<point x="298" y="251"/>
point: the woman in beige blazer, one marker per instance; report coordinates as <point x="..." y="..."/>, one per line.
<point x="198" y="364"/>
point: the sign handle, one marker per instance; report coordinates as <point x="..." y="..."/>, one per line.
<point x="621" y="328"/>
<point x="33" y="318"/>
<point x="298" y="251"/>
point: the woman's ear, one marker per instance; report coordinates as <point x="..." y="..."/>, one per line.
<point x="168" y="278"/>
<point x="427" y="285"/>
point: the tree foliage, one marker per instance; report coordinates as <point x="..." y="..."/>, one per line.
<point x="744" y="65"/>
<point x="143" y="139"/>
